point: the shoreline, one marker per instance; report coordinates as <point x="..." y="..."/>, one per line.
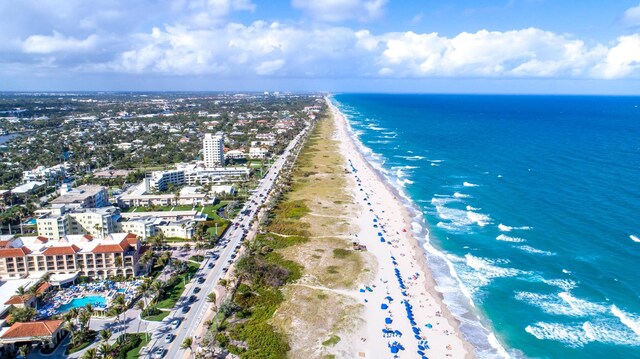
<point x="423" y="293"/>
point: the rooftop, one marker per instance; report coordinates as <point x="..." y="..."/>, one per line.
<point x="32" y="329"/>
<point x="78" y="195"/>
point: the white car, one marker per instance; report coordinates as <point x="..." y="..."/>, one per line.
<point x="168" y="338"/>
<point x="175" y="324"/>
<point x="158" y="353"/>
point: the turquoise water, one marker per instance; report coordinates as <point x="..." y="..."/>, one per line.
<point x="81" y="302"/>
<point x="532" y="205"/>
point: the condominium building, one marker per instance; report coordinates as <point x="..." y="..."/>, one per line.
<point x="60" y="221"/>
<point x="212" y="150"/>
<point x="160" y="180"/>
<point x="84" y="255"/>
<point x="86" y="196"/>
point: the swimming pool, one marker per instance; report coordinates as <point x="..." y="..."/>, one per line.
<point x="81" y="302"/>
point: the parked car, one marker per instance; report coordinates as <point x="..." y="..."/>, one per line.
<point x="192" y="298"/>
<point x="175" y="323"/>
<point x="168" y="338"/>
<point x="186" y="309"/>
<point x="211" y="265"/>
<point x="196" y="290"/>
<point x="200" y="280"/>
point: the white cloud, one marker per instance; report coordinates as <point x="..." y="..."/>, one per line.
<point x="341" y="10"/>
<point x="270" y="49"/>
<point x="631" y="17"/>
<point x="204" y="13"/>
<point x="43" y="44"/>
<point x="621" y="60"/>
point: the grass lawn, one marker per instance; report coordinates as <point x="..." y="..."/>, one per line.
<point x="211" y="211"/>
<point x="151" y="209"/>
<point x="198" y="258"/>
<point x="134" y="352"/>
<point x="90" y="337"/>
<point x="221" y="227"/>
<point x="173" y="293"/>
<point x="185" y="207"/>
<point x="158" y="317"/>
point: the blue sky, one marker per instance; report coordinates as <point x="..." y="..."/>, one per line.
<point x="464" y="46"/>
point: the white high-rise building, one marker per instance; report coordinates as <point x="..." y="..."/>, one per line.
<point x="212" y="150"/>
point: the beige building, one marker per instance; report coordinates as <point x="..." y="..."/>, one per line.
<point x="60" y="222"/>
<point x="84" y="255"/>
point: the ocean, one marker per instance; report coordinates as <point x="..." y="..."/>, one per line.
<point x="532" y="209"/>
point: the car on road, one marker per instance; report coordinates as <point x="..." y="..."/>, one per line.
<point x="192" y="298"/>
<point x="186" y="309"/>
<point x="158" y="353"/>
<point x="175" y="323"/>
<point x="211" y="265"/>
<point x="196" y="290"/>
<point x="200" y="280"/>
<point x="168" y="338"/>
<point x="225" y="269"/>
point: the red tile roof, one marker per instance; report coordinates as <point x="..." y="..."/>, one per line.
<point x="33" y="329"/>
<point x="88" y="236"/>
<point x="61" y="250"/>
<point x="4" y="243"/>
<point x="14" y="252"/>
<point x="16" y="299"/>
<point x="132" y="239"/>
<point x="43" y="287"/>
<point x="42" y="239"/>
<point x="111" y="248"/>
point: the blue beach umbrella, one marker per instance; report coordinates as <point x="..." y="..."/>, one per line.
<point x="388" y="321"/>
<point x="383" y="306"/>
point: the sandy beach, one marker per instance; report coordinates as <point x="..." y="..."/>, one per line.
<point x="404" y="314"/>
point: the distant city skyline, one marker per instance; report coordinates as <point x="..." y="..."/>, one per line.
<point x="499" y="46"/>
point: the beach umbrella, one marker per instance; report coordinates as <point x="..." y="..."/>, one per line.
<point x="420" y="347"/>
<point x="389" y="298"/>
<point x="404" y="230"/>
<point x="388" y="321"/>
<point x="379" y="234"/>
<point x="394" y="349"/>
<point x="384" y="306"/>
<point x="429" y="325"/>
<point x="375" y="220"/>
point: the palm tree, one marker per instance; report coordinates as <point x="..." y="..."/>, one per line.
<point x="21" y="292"/>
<point x="84" y="317"/>
<point x="105" y="335"/>
<point x="118" y="307"/>
<point x="23" y="351"/>
<point x="212" y="298"/>
<point x="68" y="326"/>
<point x="187" y="343"/>
<point x="104" y="349"/>
<point x="90" y="354"/>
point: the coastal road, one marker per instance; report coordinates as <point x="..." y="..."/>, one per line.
<point x="232" y="239"/>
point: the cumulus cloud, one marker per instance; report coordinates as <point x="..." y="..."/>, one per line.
<point x="341" y="10"/>
<point x="44" y="44"/>
<point x="267" y="49"/>
<point x="621" y="60"/>
<point x="631" y="17"/>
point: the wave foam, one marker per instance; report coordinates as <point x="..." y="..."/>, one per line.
<point x="477" y="272"/>
<point x="572" y="336"/>
<point x="469" y="184"/>
<point x="505" y="228"/>
<point x="634" y="238"/>
<point x="461" y="195"/>
<point x="478" y="218"/>
<point x="561" y="304"/>
<point x="532" y="250"/>
<point x="632" y="322"/>
<point x="504" y="238"/>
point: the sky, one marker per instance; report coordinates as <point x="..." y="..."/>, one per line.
<point x="432" y="46"/>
